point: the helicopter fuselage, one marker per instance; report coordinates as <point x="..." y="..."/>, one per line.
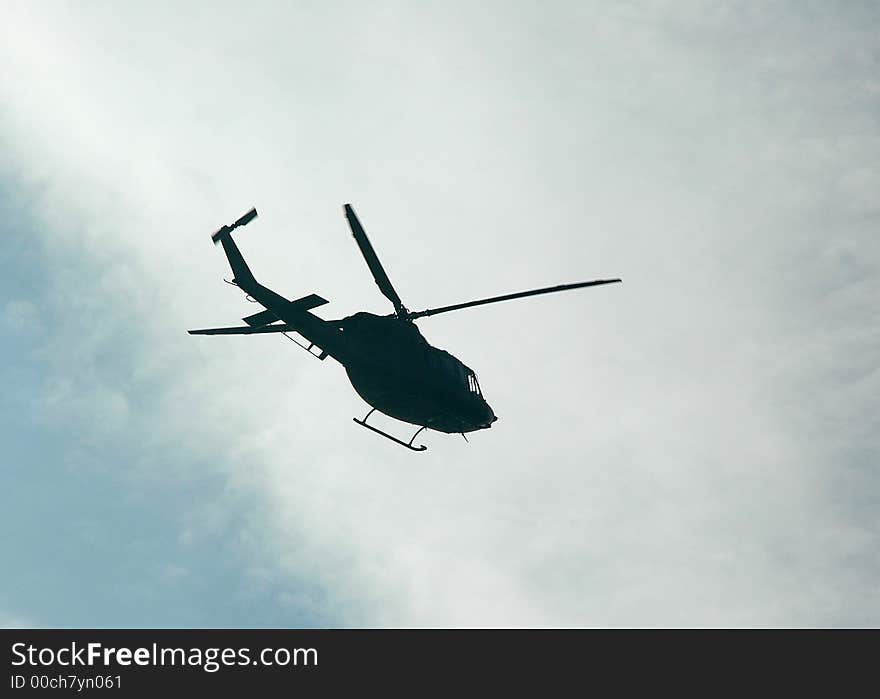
<point x="393" y="368"/>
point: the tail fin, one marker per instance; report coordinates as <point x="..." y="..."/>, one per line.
<point x="242" y="273"/>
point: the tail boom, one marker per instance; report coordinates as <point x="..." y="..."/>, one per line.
<point x="294" y="314"/>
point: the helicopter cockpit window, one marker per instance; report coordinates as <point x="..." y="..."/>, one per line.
<point x="473" y="386"/>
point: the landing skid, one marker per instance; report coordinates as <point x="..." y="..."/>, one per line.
<point x="408" y="445"/>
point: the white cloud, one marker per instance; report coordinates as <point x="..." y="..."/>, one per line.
<point x="10" y="620"/>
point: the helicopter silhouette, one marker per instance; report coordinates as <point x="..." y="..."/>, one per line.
<point x="388" y="361"/>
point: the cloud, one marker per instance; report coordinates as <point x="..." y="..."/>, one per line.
<point x="15" y="621"/>
<point x="694" y="447"/>
<point x="21" y="316"/>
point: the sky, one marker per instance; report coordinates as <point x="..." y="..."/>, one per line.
<point x="698" y="446"/>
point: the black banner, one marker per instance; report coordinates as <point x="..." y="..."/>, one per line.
<point x="144" y="662"/>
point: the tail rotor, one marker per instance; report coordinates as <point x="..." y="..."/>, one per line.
<point x="225" y="230"/>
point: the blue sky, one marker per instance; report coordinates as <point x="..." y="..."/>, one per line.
<point x="85" y="543"/>
<point x="697" y="446"/>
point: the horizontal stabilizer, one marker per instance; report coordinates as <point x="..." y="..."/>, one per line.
<point x="260" y="319"/>
<point x="244" y="330"/>
<point x="307" y="303"/>
<point x="304" y="304"/>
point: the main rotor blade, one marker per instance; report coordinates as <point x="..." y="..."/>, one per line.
<point x="373" y="263"/>
<point x="508" y="297"/>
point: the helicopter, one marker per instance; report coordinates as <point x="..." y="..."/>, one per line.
<point x="389" y="362"/>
